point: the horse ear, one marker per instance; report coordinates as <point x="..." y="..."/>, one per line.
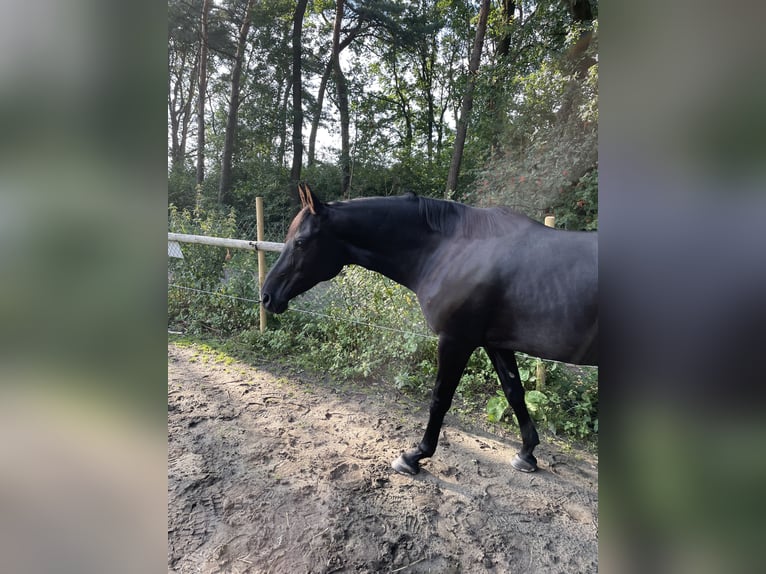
<point x="302" y="196"/>
<point x="314" y="203"/>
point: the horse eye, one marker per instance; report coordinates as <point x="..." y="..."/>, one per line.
<point x="299" y="242"/>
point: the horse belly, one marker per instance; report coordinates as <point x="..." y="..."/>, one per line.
<point x="513" y="299"/>
<point x="460" y="302"/>
<point x="560" y="328"/>
<point x="540" y="341"/>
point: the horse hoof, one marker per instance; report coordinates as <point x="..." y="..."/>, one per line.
<point x="402" y="466"/>
<point x="522" y="465"/>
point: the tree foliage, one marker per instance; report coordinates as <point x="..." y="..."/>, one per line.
<point x="377" y="101"/>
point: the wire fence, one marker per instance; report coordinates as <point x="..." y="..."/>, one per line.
<point x="307" y="311"/>
<point x="274" y="229"/>
<point x="230" y="274"/>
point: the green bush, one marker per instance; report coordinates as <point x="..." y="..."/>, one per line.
<point x="208" y="290"/>
<point x="577" y="206"/>
<point x="181" y="188"/>
<point x="359" y="325"/>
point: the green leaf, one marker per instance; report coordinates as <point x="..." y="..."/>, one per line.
<point x="535" y="400"/>
<point x="496" y="408"/>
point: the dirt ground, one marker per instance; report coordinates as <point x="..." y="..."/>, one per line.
<point x="271" y="472"/>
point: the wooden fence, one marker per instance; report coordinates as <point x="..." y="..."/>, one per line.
<point x="258" y="245"/>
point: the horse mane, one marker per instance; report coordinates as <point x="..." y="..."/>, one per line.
<point x="440" y="216"/>
<point x="444" y="217"/>
<point x="450" y="218"/>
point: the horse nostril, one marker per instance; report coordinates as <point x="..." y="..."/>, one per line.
<point x="266" y="299"/>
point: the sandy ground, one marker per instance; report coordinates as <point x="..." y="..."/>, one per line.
<point x="271" y="472"/>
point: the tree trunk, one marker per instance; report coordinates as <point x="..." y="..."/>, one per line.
<point x="427" y="57"/>
<point x="323" y="88"/>
<point x="467" y="105"/>
<point x="295" y="171"/>
<point x="283" y="121"/>
<point x="186" y="118"/>
<point x="504" y="46"/>
<point x="201" y="93"/>
<point x="284" y="76"/>
<point x="404" y="107"/>
<point x="581" y="13"/>
<point x="342" y="88"/>
<point x="445" y="102"/>
<point x="173" y="95"/>
<point x="494" y="109"/>
<point x="576" y="59"/>
<point x="231" y="121"/>
<point x="318" y="112"/>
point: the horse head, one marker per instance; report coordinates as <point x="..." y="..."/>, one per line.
<point x="311" y="254"/>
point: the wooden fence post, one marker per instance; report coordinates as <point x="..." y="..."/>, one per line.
<point x="550" y="221"/>
<point x="261" y="257"/>
<point x="540" y="375"/>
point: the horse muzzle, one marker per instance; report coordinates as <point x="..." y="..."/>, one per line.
<point x="273" y="305"/>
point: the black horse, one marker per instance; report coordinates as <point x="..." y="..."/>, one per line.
<point x="484" y="277"/>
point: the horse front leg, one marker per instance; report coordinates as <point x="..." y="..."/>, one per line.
<point x="452" y="358"/>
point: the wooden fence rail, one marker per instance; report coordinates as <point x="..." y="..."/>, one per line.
<point x="224" y="242"/>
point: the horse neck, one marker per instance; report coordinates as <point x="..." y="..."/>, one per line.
<point x="386" y="237"/>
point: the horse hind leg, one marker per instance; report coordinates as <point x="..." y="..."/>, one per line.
<point x="452" y="358"/>
<point x="504" y="362"/>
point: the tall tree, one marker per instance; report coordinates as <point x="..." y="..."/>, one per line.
<point x="496" y="110"/>
<point x="504" y="45"/>
<point x="401" y="102"/>
<point x="582" y="14"/>
<point x="405" y="81"/>
<point x="342" y="93"/>
<point x="426" y="70"/>
<point x="467" y="105"/>
<point x="231" y="121"/>
<point x="283" y="114"/>
<point x="328" y="70"/>
<point x="183" y="60"/>
<point x="317" y="117"/>
<point x="284" y="77"/>
<point x="203" y="39"/>
<point x="295" y="170"/>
